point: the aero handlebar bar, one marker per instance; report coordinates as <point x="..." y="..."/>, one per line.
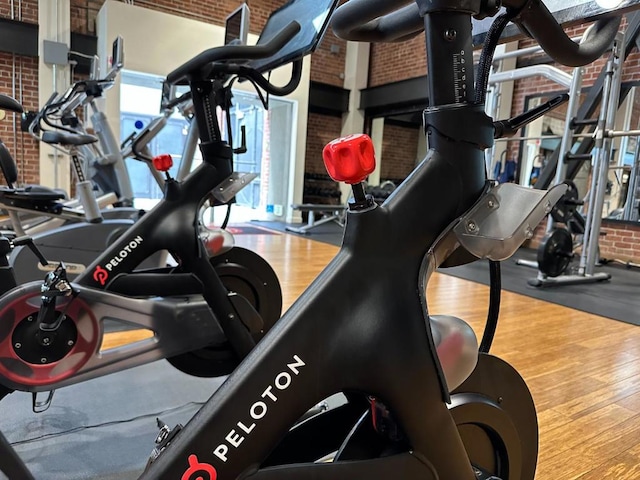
<point x="536" y="19"/>
<point x="376" y="20"/>
<point x="234" y="52"/>
<point x="383" y="21"/>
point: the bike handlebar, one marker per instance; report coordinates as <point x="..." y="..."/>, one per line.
<point x="376" y="20"/>
<point x="234" y="52"/>
<point x="383" y="21"/>
<point x="538" y="21"/>
<point x="173" y="103"/>
<point x="38" y="117"/>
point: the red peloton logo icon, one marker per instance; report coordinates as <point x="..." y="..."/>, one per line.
<point x="197" y="470"/>
<point x="100" y="275"/>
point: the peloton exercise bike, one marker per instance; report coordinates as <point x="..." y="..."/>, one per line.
<point x="184" y="306"/>
<point x="423" y="403"/>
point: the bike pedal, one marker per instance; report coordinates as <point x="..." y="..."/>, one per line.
<point x="482" y="475"/>
<point x="163" y="439"/>
<point x="41" y="406"/>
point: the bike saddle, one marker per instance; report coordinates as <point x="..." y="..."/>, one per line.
<point x="41" y="199"/>
<point x="28" y="194"/>
<point x="59" y="138"/>
<point x="8" y="165"/>
<point x="10" y="104"/>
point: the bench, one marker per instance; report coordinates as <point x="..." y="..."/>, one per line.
<point x="335" y="213"/>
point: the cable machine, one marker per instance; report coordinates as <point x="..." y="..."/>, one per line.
<point x="556" y="250"/>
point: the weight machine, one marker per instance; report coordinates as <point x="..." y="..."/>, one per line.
<point x="556" y="250"/>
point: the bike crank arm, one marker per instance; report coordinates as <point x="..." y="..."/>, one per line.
<point x="175" y="325"/>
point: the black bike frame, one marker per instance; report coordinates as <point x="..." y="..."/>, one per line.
<point x="173" y="225"/>
<point x="356" y="333"/>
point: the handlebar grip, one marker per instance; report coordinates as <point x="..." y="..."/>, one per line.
<point x="536" y="19"/>
<point x="41" y="112"/>
<point x="377" y="20"/>
<point x="235" y="52"/>
<point x="171" y="104"/>
<point x="271" y="89"/>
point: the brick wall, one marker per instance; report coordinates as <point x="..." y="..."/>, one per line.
<point x="318" y="186"/>
<point x="327" y="66"/>
<point x="391" y="62"/>
<point x="19" y="78"/>
<point x="25" y="11"/>
<point x="321" y="129"/>
<point x="399" y="146"/>
<point x="621" y="241"/>
<point x="618" y="241"/>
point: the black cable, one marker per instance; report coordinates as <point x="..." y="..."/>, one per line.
<point x="226" y="217"/>
<point x="265" y="102"/>
<point x="105" y="424"/>
<point x="229" y="130"/>
<point x="495" y="290"/>
<point x="486" y="57"/>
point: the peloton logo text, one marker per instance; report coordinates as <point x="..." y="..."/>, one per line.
<point x="101" y="275"/>
<point x="259" y="409"/>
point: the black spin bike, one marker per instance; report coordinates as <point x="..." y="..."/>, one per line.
<point x="205" y="314"/>
<point x="423" y="403"/>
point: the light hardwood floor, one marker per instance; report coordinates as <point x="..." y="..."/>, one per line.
<point x="583" y="370"/>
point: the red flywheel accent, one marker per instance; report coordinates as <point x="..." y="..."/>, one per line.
<point x="19" y="373"/>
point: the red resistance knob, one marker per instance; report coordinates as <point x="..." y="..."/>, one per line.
<point x="163" y="162"/>
<point x="349" y="159"/>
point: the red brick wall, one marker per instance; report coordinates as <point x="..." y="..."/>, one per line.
<point x="321" y="129"/>
<point x="19" y="77"/>
<point x="391" y="62"/>
<point x="622" y="242"/>
<point x="25" y="11"/>
<point x="399" y="147"/>
<point x="619" y="241"/>
<point x="327" y="66"/>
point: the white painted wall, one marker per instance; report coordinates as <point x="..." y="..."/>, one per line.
<point x="156" y="43"/>
<point x="54" y="25"/>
